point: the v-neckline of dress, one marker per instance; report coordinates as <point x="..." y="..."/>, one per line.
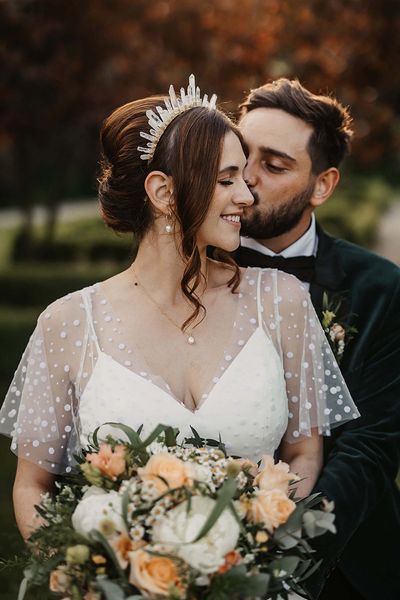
<point x="199" y="405"/>
<point x="154" y="376"/>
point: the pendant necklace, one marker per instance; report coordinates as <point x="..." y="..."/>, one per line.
<point x="190" y="339"/>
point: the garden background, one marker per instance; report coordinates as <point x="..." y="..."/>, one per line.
<point x="65" y="64"/>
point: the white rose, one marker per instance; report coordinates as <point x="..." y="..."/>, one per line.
<point x="201" y="473"/>
<point x="179" y="527"/>
<point x="95" y="506"/>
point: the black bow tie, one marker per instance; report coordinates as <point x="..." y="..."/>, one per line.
<point x="302" y="267"/>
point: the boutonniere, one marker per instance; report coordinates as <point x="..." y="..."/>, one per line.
<point x="336" y="325"/>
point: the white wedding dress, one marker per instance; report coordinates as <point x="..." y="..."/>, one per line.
<point x="277" y="377"/>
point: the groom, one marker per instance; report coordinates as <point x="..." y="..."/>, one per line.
<point x="296" y="142"/>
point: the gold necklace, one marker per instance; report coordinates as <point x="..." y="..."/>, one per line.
<point x="190" y="339"/>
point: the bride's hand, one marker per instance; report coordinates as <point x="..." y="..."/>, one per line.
<point x="305" y="459"/>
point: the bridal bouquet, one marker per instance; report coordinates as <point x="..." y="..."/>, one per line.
<point x="151" y="518"/>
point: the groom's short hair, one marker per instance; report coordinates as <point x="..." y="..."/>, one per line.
<point x="330" y="120"/>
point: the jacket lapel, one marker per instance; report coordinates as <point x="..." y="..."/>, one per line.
<point x="329" y="275"/>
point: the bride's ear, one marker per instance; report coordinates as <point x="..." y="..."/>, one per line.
<point x="159" y="190"/>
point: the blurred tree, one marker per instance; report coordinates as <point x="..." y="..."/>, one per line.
<point x="64" y="65"/>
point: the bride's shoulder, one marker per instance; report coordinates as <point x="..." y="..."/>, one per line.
<point x="68" y="309"/>
<point x="282" y="286"/>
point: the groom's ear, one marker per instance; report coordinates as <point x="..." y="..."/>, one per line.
<point x="325" y="185"/>
<point x="159" y="190"/>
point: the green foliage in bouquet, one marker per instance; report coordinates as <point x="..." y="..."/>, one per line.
<point x="148" y="517"/>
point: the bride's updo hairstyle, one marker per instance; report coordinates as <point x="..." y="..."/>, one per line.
<point x="189" y="151"/>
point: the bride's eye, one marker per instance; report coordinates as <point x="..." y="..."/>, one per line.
<point x="226" y="182"/>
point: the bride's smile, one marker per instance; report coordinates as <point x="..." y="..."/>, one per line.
<point x="221" y="227"/>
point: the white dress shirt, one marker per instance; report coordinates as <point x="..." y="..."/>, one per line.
<point x="306" y="245"/>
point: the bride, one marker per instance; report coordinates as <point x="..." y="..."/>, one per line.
<point x="176" y="338"/>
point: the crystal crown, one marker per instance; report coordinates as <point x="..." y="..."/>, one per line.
<point x="174" y="106"/>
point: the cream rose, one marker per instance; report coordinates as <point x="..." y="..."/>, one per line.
<point x="96" y="506"/>
<point x="270" y="508"/>
<point x="153" y="575"/>
<point x="274" y="476"/>
<point x="165" y="466"/>
<point x="180" y="526"/>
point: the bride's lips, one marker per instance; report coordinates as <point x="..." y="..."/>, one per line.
<point x="232" y="219"/>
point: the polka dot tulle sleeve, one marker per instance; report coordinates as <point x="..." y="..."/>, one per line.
<point x="39" y="410"/>
<point x="317" y="393"/>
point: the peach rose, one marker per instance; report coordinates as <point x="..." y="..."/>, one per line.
<point x="232" y="558"/>
<point x="274" y="476"/>
<point x="153" y="575"/>
<point x="59" y="580"/>
<point x="110" y="463"/>
<point x="271" y="508"/>
<point x="248" y="465"/>
<point x="167" y="467"/>
<point x="122" y="546"/>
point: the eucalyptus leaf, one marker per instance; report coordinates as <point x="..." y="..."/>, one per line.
<point x="293" y="523"/>
<point x="286" y="541"/>
<point x="302" y="568"/>
<point x="111" y="590"/>
<point x="310" y="571"/>
<point x="312" y="500"/>
<point x="224" y="498"/>
<point x="282" y="567"/>
<point x="237" y="581"/>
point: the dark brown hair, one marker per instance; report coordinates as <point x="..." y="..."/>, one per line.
<point x="330" y="120"/>
<point x="190" y="152"/>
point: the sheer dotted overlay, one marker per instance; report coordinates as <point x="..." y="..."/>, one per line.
<point x="277" y="377"/>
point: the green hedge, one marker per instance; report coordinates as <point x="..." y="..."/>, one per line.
<point x="354" y="211"/>
<point x="16" y="327"/>
<point x="38" y="285"/>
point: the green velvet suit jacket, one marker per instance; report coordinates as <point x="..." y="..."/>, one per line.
<point x="362" y="457"/>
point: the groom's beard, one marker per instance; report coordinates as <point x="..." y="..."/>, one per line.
<point x="275" y="220"/>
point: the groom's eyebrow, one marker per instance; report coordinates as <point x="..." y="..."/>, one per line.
<point x="274" y="152"/>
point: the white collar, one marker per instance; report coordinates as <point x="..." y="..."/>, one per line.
<point x="307" y="245"/>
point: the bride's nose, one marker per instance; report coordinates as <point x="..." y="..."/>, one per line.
<point x="244" y="196"/>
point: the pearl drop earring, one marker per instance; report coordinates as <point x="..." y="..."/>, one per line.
<point x="168" y="226"/>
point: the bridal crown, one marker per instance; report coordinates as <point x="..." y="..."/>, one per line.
<point x="174" y="106"/>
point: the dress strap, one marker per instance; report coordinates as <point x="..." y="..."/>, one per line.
<point x="259" y="303"/>
<point x="87" y="302"/>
